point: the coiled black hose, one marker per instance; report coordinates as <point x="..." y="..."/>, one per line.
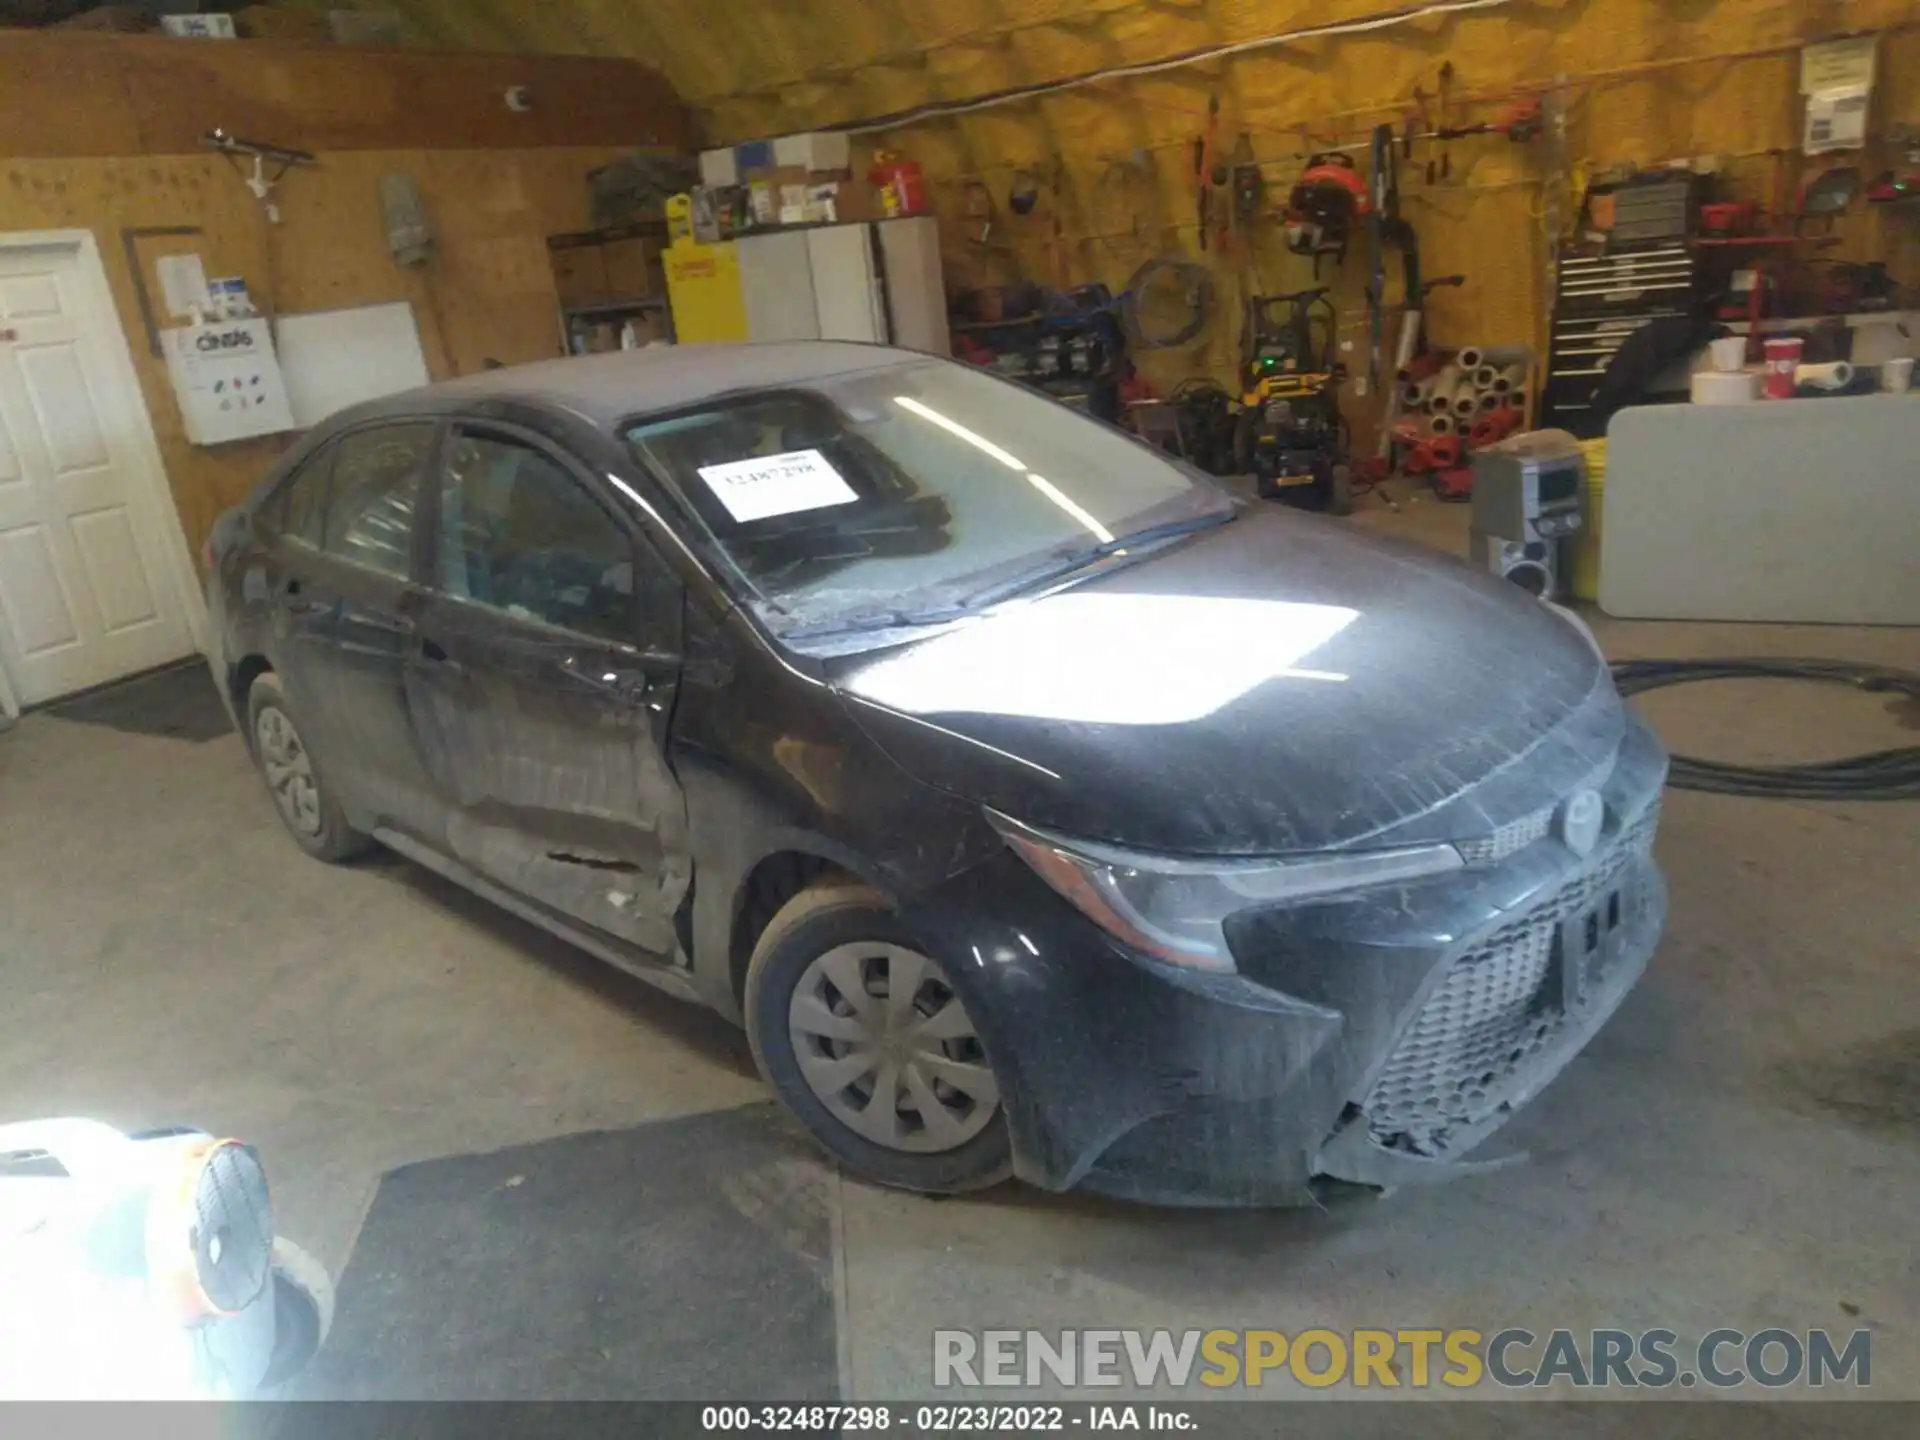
<point x="1880" y="775"/>
<point x="1182" y="287"/>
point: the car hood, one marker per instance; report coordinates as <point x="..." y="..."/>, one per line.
<point x="1281" y="683"/>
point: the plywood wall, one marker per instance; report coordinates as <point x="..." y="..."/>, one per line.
<point x="486" y="294"/>
<point x="767" y="67"/>
<point x="1646" y="81"/>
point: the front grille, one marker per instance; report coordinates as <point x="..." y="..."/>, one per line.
<point x="1496" y="1010"/>
<point x="1516" y="835"/>
<point x="1509" y="839"/>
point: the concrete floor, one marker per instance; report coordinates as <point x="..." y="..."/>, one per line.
<point x="1739" y="1148"/>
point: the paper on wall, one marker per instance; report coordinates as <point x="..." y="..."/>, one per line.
<point x="1837" y="65"/>
<point x="183" y="286"/>
<point x="783" y="484"/>
<point x="1836" y="120"/>
<point x="1837" y="79"/>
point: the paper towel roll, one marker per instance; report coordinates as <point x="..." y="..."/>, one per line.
<point x="1836" y="376"/>
<point x="1716" y="387"/>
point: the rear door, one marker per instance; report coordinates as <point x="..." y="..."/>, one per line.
<point x="542" y="682"/>
<point x="343" y="597"/>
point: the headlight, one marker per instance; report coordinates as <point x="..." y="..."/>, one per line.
<point x="1173" y="909"/>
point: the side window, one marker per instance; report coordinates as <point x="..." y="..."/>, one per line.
<point x="519" y="534"/>
<point x="302" y="503"/>
<point x="370" y="504"/>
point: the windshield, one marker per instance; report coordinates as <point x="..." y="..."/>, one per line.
<point x="911" y="493"/>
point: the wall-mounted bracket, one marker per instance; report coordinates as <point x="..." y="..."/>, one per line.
<point x="277" y="158"/>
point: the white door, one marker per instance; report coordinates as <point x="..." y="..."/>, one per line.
<point x="776" y="277"/>
<point x="846" y="288"/>
<point x="85" y="591"/>
<point x="916" y="287"/>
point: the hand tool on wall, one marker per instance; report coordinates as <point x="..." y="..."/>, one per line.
<point x="1203" y="167"/>
<point x="1519" y="122"/>
<point x="1386" y="198"/>
<point x="979" y="210"/>
<point x="1248" y="193"/>
<point x="1411" y="344"/>
<point x="1249" y="185"/>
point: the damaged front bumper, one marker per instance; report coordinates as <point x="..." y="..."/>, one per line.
<point x="1378" y="1041"/>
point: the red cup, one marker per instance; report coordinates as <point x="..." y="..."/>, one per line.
<point x="1783" y="363"/>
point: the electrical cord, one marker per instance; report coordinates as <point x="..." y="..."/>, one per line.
<point x="1183" y="287"/>
<point x="1879" y="775"/>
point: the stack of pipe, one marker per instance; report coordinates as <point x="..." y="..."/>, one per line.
<point x="1450" y="407"/>
<point x="1474" y="397"/>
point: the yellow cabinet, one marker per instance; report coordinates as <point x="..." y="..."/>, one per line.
<point x="703" y="286"/>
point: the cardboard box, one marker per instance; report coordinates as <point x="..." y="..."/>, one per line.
<point x="128" y="19"/>
<point x="599" y="339"/>
<point x="367" y="27"/>
<point x="763" y="202"/>
<point x="579" y="268"/>
<point x="814" y="150"/>
<point x="719" y="168"/>
<point x="754" y="156"/>
<point x="199" y="27"/>
<point x="650" y="328"/>
<point x="857" y="200"/>
<point x="272" y="22"/>
<point x="632" y="264"/>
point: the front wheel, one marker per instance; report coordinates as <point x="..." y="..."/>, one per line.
<point x="306" y="807"/>
<point x="864" y="1038"/>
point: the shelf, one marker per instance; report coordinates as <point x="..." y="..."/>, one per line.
<point x="1750" y="240"/>
<point x="967" y="327"/>
<point x="615" y="307"/>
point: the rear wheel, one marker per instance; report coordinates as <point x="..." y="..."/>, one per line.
<point x="864" y="1038"/>
<point x="306" y="807"/>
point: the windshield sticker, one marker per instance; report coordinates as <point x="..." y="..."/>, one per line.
<point x="771" y="485"/>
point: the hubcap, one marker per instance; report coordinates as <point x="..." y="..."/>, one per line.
<point x="289" y="771"/>
<point x="885" y="1044"/>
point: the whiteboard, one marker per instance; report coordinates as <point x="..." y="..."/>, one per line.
<point x="331" y="359"/>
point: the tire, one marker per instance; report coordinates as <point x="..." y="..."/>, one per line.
<point x="305" y="805"/>
<point x="946" y="1130"/>
<point x="1245" y="428"/>
<point x="1340" y="491"/>
<point x="302" y="1311"/>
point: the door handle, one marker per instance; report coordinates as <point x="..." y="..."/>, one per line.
<point x="624" y="683"/>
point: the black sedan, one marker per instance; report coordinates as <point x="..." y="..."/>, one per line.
<point x="1038" y="808"/>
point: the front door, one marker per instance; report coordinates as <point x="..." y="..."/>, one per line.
<point x="344" y="601"/>
<point x="85" y="593"/>
<point x="542" y="686"/>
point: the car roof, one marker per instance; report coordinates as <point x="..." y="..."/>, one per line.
<point x="606" y="389"/>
